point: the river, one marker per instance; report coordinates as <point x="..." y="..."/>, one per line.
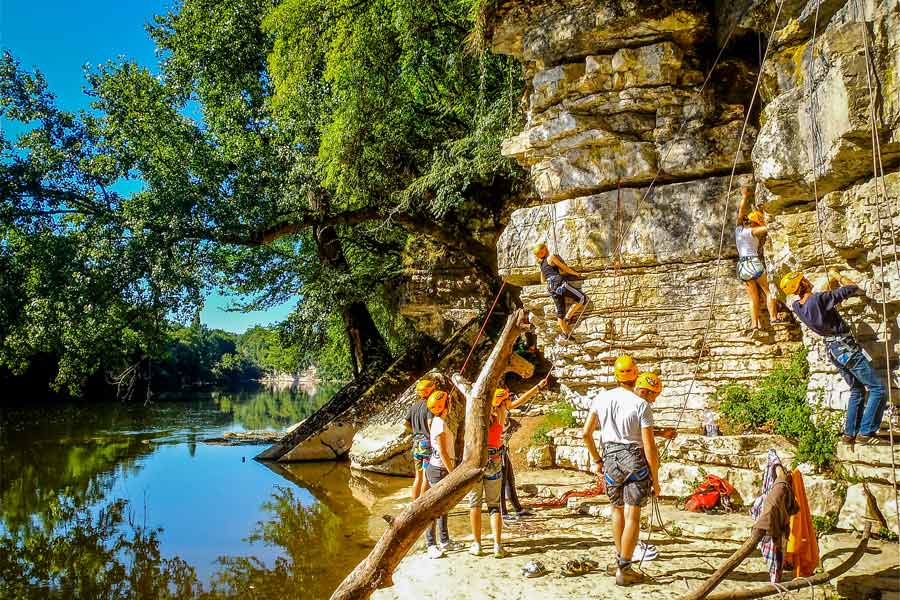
<point x="127" y="501"/>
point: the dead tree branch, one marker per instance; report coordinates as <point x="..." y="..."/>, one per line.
<point x="376" y="571"/>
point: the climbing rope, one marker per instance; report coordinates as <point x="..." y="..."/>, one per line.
<point x="725" y="212"/>
<point x="684" y="123"/>
<point x="595" y="490"/>
<point x="815" y="141"/>
<point x="483" y="327"/>
<point x="873" y="129"/>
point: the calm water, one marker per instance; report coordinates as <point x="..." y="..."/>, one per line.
<point x="115" y="501"/>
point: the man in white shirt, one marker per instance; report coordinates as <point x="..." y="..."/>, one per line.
<point x="630" y="462"/>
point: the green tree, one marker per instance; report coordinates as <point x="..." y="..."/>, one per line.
<point x="287" y="151"/>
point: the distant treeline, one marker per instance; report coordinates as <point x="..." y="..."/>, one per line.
<point x="184" y="357"/>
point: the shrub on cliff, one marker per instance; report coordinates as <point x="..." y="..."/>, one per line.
<point x="777" y="403"/>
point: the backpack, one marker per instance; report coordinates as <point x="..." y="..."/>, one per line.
<point x="710" y="493"/>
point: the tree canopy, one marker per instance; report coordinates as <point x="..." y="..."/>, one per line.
<point x="292" y="150"/>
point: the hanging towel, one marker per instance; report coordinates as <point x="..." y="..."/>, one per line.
<point x="769" y="546"/>
<point x="802" y="549"/>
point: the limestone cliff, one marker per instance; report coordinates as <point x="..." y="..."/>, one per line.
<point x="616" y="97"/>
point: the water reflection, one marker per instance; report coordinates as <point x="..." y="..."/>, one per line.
<point x="124" y="502"/>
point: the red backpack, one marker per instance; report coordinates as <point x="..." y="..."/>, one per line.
<point x="709" y="494"/>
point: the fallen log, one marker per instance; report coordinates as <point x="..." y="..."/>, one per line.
<point x="769" y="589"/>
<point x="376" y="571"/>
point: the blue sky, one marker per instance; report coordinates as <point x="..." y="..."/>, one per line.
<point x="59" y="38"/>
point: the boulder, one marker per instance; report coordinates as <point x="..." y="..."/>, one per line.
<point x="383" y="449"/>
<point x="860" y="507"/>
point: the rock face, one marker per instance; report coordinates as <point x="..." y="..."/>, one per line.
<point x="630" y="153"/>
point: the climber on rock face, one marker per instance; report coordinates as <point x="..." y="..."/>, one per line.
<point x="630" y="461"/>
<point x="553" y="272"/>
<point x="748" y="232"/>
<point x="818" y="311"/>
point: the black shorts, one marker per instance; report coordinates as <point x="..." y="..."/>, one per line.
<point x="566" y="290"/>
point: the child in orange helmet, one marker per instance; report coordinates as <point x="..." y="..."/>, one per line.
<point x="553" y="274"/>
<point x="750" y="229"/>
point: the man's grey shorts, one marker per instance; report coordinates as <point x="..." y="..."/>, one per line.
<point x="488" y="489"/>
<point x="620" y="460"/>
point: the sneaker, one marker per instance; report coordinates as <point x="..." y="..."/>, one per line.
<point x="525" y="512"/>
<point x="628" y="576"/>
<point x="499" y="552"/>
<point x="475" y="549"/>
<point x="848" y="439"/>
<point x="868" y="440"/>
<point x="510" y="517"/>
<point x="451" y="546"/>
<point x="435" y="552"/>
<point x="644" y="552"/>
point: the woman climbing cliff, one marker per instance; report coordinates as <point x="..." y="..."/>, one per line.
<point x="750" y="229"/>
<point x="553" y="272"/>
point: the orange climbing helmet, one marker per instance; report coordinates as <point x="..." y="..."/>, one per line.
<point x="500" y="396"/>
<point x="540" y="250"/>
<point x="625" y="369"/>
<point x="424" y="387"/>
<point x="790" y="283"/>
<point x="648" y="381"/>
<point x="437" y="402"/>
<point x="756" y="217"/>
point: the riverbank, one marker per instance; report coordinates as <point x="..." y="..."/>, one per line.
<point x="555" y="536"/>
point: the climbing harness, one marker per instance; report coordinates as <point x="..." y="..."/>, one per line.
<point x="483" y="327"/>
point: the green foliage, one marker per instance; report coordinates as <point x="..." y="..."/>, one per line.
<point x="826" y="523"/>
<point x="561" y="414"/>
<point x="693" y="485"/>
<point x="778" y="404"/>
<point x="886" y="534"/>
<point x="309" y="111"/>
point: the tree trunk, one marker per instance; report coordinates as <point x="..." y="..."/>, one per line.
<point x="367" y="346"/>
<point x="770" y="589"/>
<point x="376" y="571"/>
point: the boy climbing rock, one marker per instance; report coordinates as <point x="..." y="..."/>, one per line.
<point x="818" y="311"/>
<point x="630" y="461"/>
<point x="553" y="273"/>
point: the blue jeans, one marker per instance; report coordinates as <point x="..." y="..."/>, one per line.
<point x="859" y="374"/>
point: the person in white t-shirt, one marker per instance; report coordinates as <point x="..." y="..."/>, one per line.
<point x="442" y="461"/>
<point x="630" y="461"/>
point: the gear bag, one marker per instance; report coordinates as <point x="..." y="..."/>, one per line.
<point x="711" y="492"/>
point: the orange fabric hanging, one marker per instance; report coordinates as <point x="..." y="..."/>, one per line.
<point x="802" y="549"/>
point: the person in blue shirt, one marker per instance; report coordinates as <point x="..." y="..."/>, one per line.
<point x="818" y="311"/>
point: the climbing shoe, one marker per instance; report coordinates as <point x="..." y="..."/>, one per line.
<point x="628" y="576"/>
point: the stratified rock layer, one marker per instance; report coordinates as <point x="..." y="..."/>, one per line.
<point x="636" y="161"/>
<point x="616" y="102"/>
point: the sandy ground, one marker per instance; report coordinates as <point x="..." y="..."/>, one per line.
<point x="555" y="536"/>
